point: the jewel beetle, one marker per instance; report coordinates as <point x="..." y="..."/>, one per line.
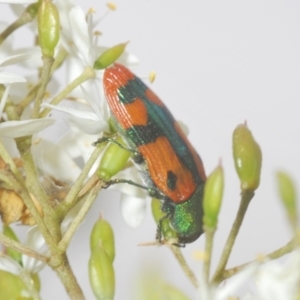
<point x="169" y="164"/>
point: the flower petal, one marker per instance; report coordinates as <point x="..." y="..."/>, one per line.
<point x="92" y="127"/>
<point x="80" y="34"/>
<point x="86" y="115"/>
<point x="4" y="99"/>
<point x="133" y="210"/>
<point x="129" y="189"/>
<point x="64" y="8"/>
<point x="10" y="78"/>
<point x="36" y="242"/>
<point x="8" y="264"/>
<point x="34" y="60"/>
<point x="183" y="127"/>
<point x="78" y="144"/>
<point x="73" y="212"/>
<point x="14" y="59"/>
<point x="128" y="59"/>
<point x="16" y="129"/>
<point x="54" y="161"/>
<point x="279" y="279"/>
<point x="99" y="106"/>
<point x="236" y="282"/>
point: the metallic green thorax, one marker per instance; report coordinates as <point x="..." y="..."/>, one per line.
<point x="186" y="218"/>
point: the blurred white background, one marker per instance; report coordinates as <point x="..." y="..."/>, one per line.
<point x="218" y="63"/>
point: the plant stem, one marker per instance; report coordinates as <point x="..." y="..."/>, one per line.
<point x="25" y="276"/>
<point x="25" y="18"/>
<point x="61" y="266"/>
<point x="33" y="186"/>
<point x="9" y="243"/>
<point x="71" y="197"/>
<point x="9" y="161"/>
<point x="289" y="247"/>
<point x="245" y="200"/>
<point x="23" y="193"/>
<point x="45" y="76"/>
<point x="88" y="73"/>
<point x="63" y="244"/>
<point x="28" y="98"/>
<point x="176" y="251"/>
<point x="209" y="236"/>
<point x="60" y="57"/>
<point x="32" y="180"/>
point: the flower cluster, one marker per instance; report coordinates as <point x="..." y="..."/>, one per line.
<point x="59" y="147"/>
<point x="74" y="44"/>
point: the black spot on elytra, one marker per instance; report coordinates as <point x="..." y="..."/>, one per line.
<point x="171" y="180"/>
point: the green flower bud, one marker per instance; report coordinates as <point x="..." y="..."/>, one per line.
<point x="17" y="256"/>
<point x="112" y="126"/>
<point x="102" y="236"/>
<point x="33" y="8"/>
<point x="48" y="27"/>
<point x="212" y="199"/>
<point x="109" y="56"/>
<point x="247" y="158"/>
<point x="101" y="274"/>
<point x="12" y="286"/>
<point x="158" y="214"/>
<point x="36" y="280"/>
<point x="113" y="160"/>
<point x="288" y="196"/>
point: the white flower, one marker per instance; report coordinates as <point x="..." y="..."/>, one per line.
<point x="275" y="280"/>
<point x="54" y="161"/>
<point x="8" y="78"/>
<point x="35" y="241"/>
<point x="9" y="265"/>
<point x="279" y="279"/>
<point x="77" y="38"/>
<point x="89" y="115"/>
<point x="16" y="129"/>
<point x="21" y="128"/>
<point x="133" y="209"/>
<point x="227" y="289"/>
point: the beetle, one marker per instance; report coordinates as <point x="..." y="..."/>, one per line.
<point x="171" y="167"/>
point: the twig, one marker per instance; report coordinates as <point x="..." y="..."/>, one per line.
<point x="60" y="57"/>
<point x="26" y="17"/>
<point x="10" y="162"/>
<point x="88" y="73"/>
<point x="71" y="197"/>
<point x="21" y="190"/>
<point x="63" y="244"/>
<point x="25" y="276"/>
<point x="209" y="236"/>
<point x="45" y="76"/>
<point x="176" y="251"/>
<point x="61" y="265"/>
<point x="9" y="243"/>
<point x="245" y="200"/>
<point x="289" y="247"/>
